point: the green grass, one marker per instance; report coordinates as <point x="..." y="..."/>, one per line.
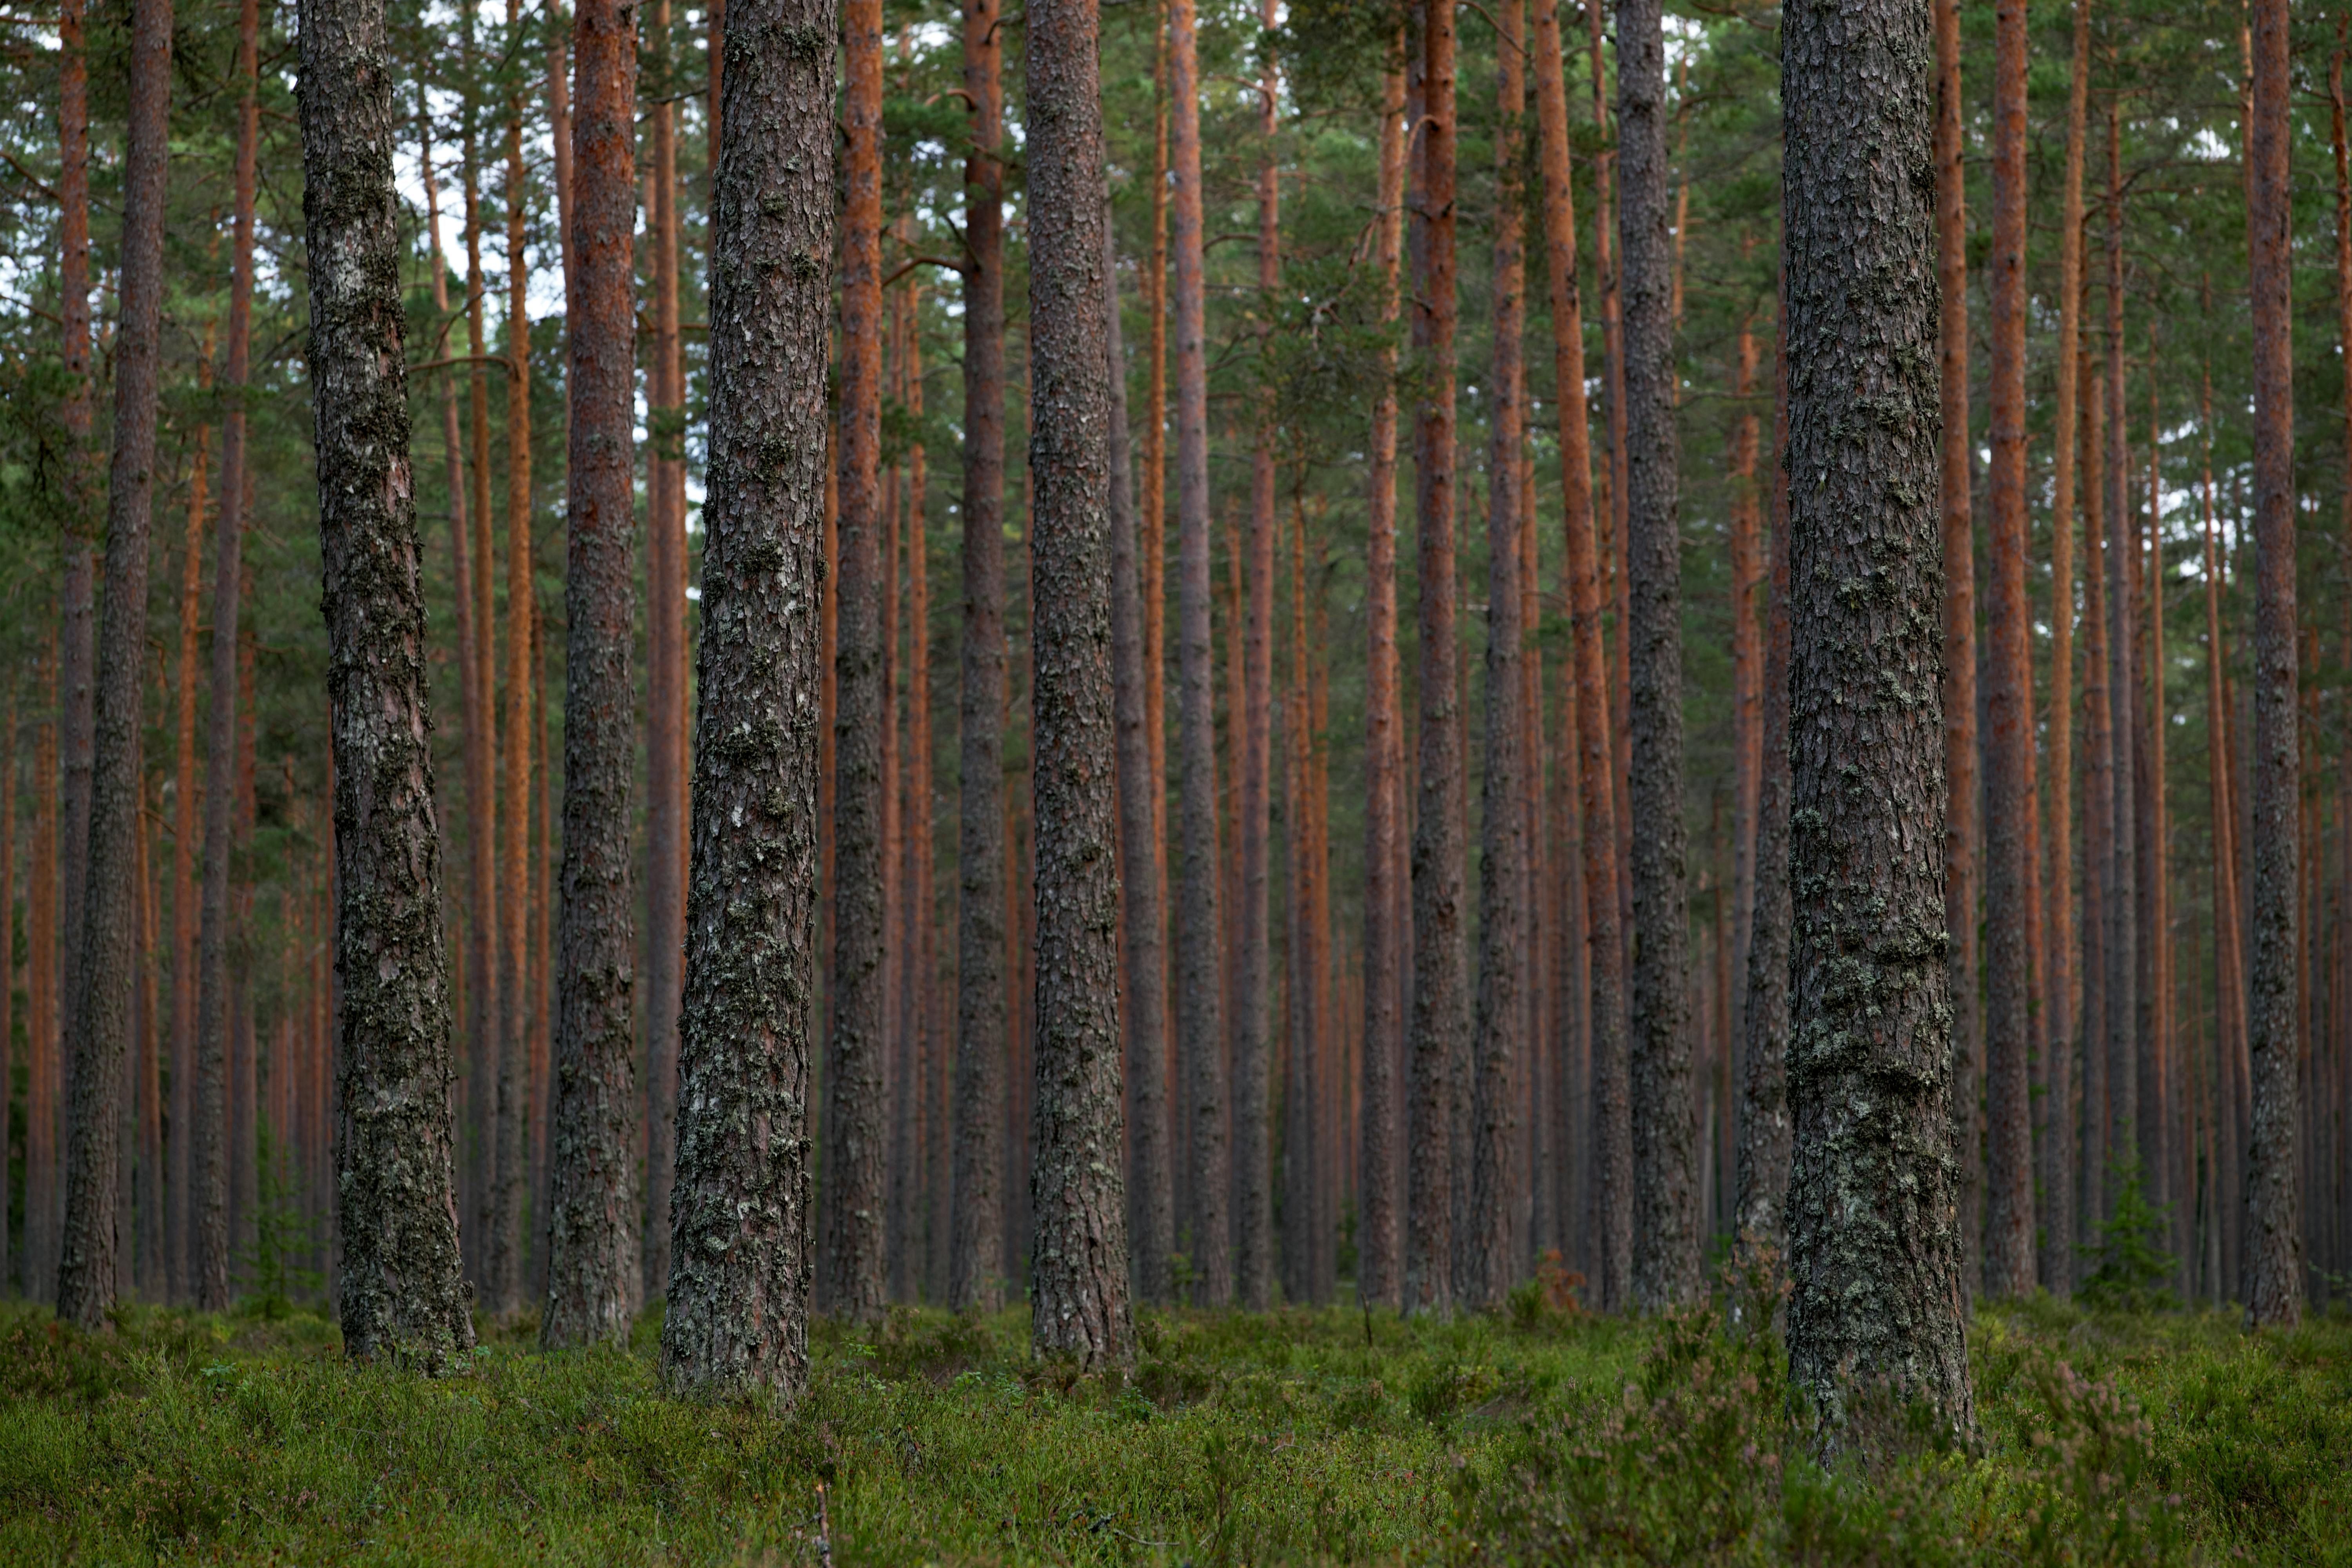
<point x="1294" y="1436"/>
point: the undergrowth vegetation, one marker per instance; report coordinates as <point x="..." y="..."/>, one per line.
<point x="1292" y="1436"/>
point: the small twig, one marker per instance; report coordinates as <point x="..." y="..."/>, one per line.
<point x="914" y="261"/>
<point x="824" y="1528"/>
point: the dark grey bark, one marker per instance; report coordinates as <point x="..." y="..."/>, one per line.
<point x="1440" y="1028"/>
<point x="1199" y="966"/>
<point x="1486" y="1249"/>
<point x="592" y="1218"/>
<point x="1150" y="1221"/>
<point x="402" y="1296"/>
<point x="856" y="1182"/>
<point x="1666" y="1185"/>
<point x="737" y="1325"/>
<point x="1873" y="1244"/>
<point x="99" y="973"/>
<point x="975" y="1272"/>
<point x="2273" y="1232"/>
<point x="1078" y="1201"/>
<point x="1760" y="1219"/>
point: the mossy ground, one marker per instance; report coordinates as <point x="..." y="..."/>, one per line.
<point x="1292" y="1436"/>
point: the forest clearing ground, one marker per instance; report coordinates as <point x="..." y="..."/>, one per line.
<point x="1306" y="1436"/>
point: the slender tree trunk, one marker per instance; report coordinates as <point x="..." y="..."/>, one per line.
<point x="857" y="1189"/>
<point x="1608" y="1115"/>
<point x="2273" y="1230"/>
<point x="401" y="1293"/>
<point x="2228" y="927"/>
<point x="1150" y="1220"/>
<point x="1486" y="1252"/>
<point x="1200" y="978"/>
<point x="737" y="1325"/>
<point x="1960" y="833"/>
<point x="1613" y="490"/>
<point x="1253" y="931"/>
<point x="2158" y="1133"/>
<point x="1438" y="1003"/>
<point x="1748" y="575"/>
<point x="666" y="688"/>
<point x="77" y="587"/>
<point x="1378" y="1239"/>
<point x="184" y="1209"/>
<point x="1665" y="1199"/>
<point x="99" y="966"/>
<point x="975" y="1274"/>
<point x="9" y="739"/>
<point x="39" y="1273"/>
<point x="482" y="790"/>
<point x="592" y="1270"/>
<point x="2060" y="1007"/>
<point x="1760" y="1213"/>
<point x="2009" y="1147"/>
<point x="503" y="1285"/>
<point x="1077" y="1255"/>
<point x="1873" y="1249"/>
<point x="150" y="1276"/>
<point x="2098" y="812"/>
<point x="2121" y="904"/>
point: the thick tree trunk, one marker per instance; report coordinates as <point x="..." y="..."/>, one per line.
<point x="1960" y="833"/>
<point x="2273" y="1231"/>
<point x="1439" y="1024"/>
<point x="1077" y="1255"/>
<point x="2008" y="718"/>
<point x="1500" y="1045"/>
<point x="1665" y="1196"/>
<point x="1151" y="1223"/>
<point x="975" y="1272"/>
<point x="2121" y="908"/>
<point x="666" y="688"/>
<point x="401" y="1293"/>
<point x="503" y="1284"/>
<point x="1873" y="1244"/>
<point x="2060" y="1005"/>
<point x="98" y="964"/>
<point x="592" y="1269"/>
<point x="1200" y="978"/>
<point x="856" y="1184"/>
<point x="1761" y="1212"/>
<point x="1377" y="1220"/>
<point x="739" y="1297"/>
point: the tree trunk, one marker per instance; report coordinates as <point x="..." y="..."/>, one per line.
<point x="2121" y="908"/>
<point x="592" y="1270"/>
<point x="2009" y="717"/>
<point x="1874" y="1250"/>
<point x="1439" y="1025"/>
<point x="1253" y="931"/>
<point x="975" y="1274"/>
<point x="1150" y="1220"/>
<point x="99" y="965"/>
<point x="739" y="1297"/>
<point x="1960" y="833"/>
<point x="481" y="790"/>
<point x="401" y="1293"/>
<point x="1200" y="980"/>
<point x="2060" y="1006"/>
<point x="2156" y="1132"/>
<point x="1377" y="1220"/>
<point x="76" y="562"/>
<point x="1077" y="1253"/>
<point x="184" y="1209"/>
<point x="502" y="1291"/>
<point x="666" y="687"/>
<point x="1747" y="574"/>
<point x="1500" y="1044"/>
<point x="1665" y="1199"/>
<point x="8" y="743"/>
<point x="1761" y="1212"/>
<point x="39" y="1278"/>
<point x="2098" y="812"/>
<point x="856" y="1184"/>
<point x="2273" y="1230"/>
<point x="2228" y="927"/>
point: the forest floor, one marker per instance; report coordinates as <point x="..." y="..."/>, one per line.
<point x="1288" y="1437"/>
